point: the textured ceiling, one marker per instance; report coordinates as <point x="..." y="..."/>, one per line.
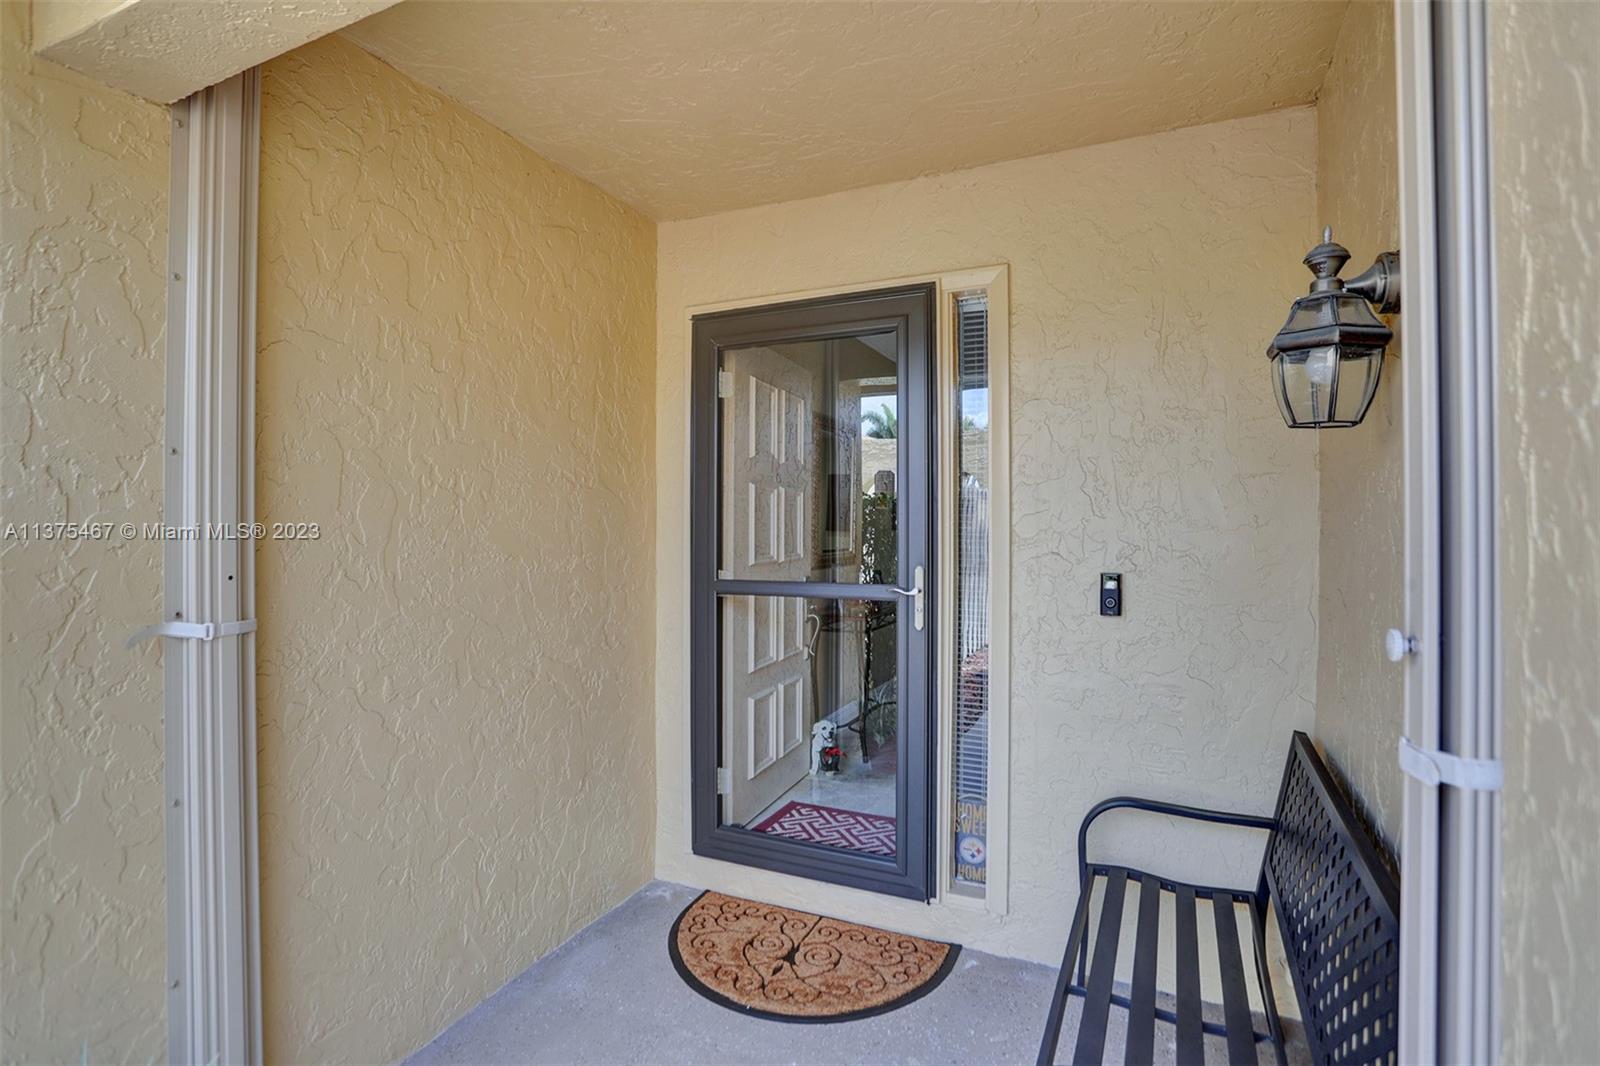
<point x="687" y="107"/>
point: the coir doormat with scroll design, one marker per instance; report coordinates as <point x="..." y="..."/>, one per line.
<point x="792" y="966"/>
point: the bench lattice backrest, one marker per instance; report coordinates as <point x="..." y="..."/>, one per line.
<point x="1338" y="908"/>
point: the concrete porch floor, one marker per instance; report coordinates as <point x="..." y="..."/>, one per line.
<point x="610" y="995"/>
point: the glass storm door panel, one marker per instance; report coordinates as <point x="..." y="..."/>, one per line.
<point x="810" y="431"/>
<point x="812" y="718"/>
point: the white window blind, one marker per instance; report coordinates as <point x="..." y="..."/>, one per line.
<point x="971" y="743"/>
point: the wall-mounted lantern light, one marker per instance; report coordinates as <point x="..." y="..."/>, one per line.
<point x="1326" y="359"/>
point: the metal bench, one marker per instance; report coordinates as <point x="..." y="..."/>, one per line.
<point x="1337" y="906"/>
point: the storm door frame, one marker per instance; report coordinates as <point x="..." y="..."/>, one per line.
<point x="907" y="311"/>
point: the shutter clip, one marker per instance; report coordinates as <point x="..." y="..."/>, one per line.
<point x="193" y="630"/>
<point x="1434" y="767"/>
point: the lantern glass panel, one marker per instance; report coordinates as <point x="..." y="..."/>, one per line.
<point x="1278" y="389"/>
<point x="1355" y="311"/>
<point x="1309" y="378"/>
<point x="1358" y="380"/>
<point x="1309" y="312"/>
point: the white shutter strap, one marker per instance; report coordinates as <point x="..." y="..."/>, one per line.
<point x="1433" y="767"/>
<point x="194" y="630"/>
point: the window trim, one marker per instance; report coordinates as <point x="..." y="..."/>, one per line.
<point x="994" y="283"/>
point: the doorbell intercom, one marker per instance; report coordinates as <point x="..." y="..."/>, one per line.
<point x="1111" y="595"/>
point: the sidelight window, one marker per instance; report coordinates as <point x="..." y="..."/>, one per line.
<point x="970" y="484"/>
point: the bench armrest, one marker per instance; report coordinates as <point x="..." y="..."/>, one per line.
<point x="1177" y="810"/>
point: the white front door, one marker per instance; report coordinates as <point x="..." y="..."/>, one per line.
<point x="769" y="473"/>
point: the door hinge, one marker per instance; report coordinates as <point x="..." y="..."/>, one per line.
<point x="724" y="781"/>
<point x="724" y="384"/>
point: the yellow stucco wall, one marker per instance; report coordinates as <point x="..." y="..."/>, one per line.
<point x="1147" y="277"/>
<point x="1360" y="694"/>
<point x="1544" y="80"/>
<point x="83" y="248"/>
<point x="456" y="379"/>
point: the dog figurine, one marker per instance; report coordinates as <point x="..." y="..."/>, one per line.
<point x="823" y="735"/>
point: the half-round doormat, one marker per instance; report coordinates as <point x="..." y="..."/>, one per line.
<point x="792" y="966"/>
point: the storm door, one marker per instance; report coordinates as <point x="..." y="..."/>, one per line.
<point x="812" y="713"/>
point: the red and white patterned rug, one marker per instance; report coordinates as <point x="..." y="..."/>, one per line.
<point x="833" y="826"/>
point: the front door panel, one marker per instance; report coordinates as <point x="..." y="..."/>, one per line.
<point x="768" y="474"/>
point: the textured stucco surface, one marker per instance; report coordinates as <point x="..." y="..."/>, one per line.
<point x="700" y="106"/>
<point x="1544" y="80"/>
<point x="1145" y="440"/>
<point x="163" y="50"/>
<point x="56" y="20"/>
<point x="82" y="257"/>
<point x="455" y="696"/>
<point x="1360" y="694"/>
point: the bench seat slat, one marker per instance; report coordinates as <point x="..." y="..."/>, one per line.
<point x="1142" y="1005"/>
<point x="1191" y="1048"/>
<point x="1235" y="999"/>
<point x="1058" y="1004"/>
<point x="1102" y="972"/>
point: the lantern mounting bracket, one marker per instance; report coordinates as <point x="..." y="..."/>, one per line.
<point x="1379" y="283"/>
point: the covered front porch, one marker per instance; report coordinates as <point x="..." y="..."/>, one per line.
<point x="631" y="470"/>
<point x="812" y="454"/>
